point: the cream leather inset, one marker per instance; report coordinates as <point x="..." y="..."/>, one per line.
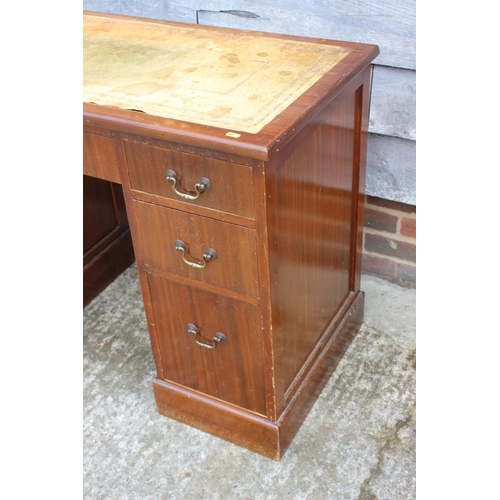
<point x="235" y="82"/>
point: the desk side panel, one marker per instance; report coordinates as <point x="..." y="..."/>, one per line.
<point x="314" y="252"/>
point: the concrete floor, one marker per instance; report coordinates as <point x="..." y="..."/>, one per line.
<point x="358" y="441"/>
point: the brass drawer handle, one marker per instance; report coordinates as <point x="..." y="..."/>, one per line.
<point x="200" y="187"/>
<point x="219" y="337"/>
<point x="210" y="254"/>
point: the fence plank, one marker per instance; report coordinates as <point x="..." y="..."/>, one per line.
<point x="393" y="102"/>
<point x="154" y="9"/>
<point x="391" y="169"/>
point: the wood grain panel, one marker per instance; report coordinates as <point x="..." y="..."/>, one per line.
<point x="236" y="265"/>
<point x="319" y="375"/>
<point x="233" y="371"/>
<point x="223" y="420"/>
<point x="314" y="191"/>
<point x="99" y="212"/>
<point x="99" y="156"/>
<point x="232" y="187"/>
<point x="362" y="96"/>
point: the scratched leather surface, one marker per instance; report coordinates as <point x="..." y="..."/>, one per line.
<point x="236" y="82"/>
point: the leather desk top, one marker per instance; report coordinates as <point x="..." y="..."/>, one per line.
<point x="233" y="81"/>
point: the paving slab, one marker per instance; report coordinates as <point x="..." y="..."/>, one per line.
<point x="391" y="309"/>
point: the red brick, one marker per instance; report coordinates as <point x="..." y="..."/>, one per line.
<point x="406" y="275"/>
<point x="379" y="266"/>
<point x="381" y="221"/>
<point x="390" y="247"/>
<point x="396" y="272"/>
<point x="408" y="227"/>
<point x="393" y="205"/>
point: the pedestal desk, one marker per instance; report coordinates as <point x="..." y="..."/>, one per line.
<point x="242" y="161"/>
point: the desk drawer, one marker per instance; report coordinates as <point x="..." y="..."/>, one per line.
<point x="99" y="156"/>
<point x="235" y="266"/>
<point x="233" y="370"/>
<point x="231" y="185"/>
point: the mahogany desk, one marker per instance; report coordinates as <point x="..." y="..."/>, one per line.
<point x="242" y="160"/>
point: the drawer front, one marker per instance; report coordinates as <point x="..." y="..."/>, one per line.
<point x="99" y="157"/>
<point x="234" y="268"/>
<point x="233" y="370"/>
<point x="231" y="185"/>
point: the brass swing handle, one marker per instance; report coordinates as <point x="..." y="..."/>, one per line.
<point x="210" y="254"/>
<point x="200" y="187"/>
<point x="219" y="337"/>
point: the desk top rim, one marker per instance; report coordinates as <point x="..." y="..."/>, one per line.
<point x="256" y="145"/>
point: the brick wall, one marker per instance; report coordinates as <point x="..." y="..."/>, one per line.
<point x="389" y="246"/>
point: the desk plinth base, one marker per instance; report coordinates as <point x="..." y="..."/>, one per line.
<point x="247" y="429"/>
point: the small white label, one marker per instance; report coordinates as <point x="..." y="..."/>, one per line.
<point x="233" y="134"/>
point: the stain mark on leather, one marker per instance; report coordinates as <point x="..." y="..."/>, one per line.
<point x="232" y="58"/>
<point x="142" y="88"/>
<point x="220" y="111"/>
<point x="190" y="70"/>
<point x="164" y="73"/>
